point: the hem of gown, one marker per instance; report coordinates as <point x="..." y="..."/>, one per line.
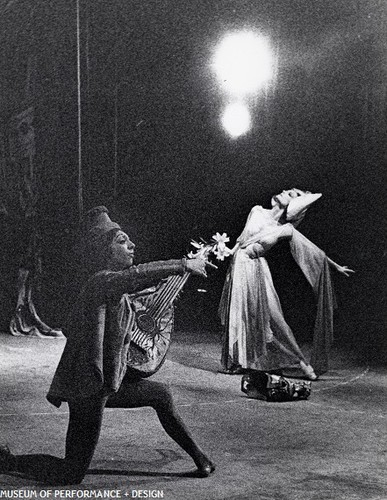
<point x="236" y="367"/>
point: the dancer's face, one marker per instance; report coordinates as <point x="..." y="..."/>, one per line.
<point x="283" y="199"/>
<point x="121" y="252"/>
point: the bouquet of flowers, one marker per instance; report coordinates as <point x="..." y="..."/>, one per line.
<point x="216" y="246"/>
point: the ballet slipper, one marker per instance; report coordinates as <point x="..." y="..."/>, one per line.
<point x="205" y="470"/>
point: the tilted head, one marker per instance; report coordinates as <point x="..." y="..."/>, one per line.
<point x="295" y="201"/>
<point x="286" y="196"/>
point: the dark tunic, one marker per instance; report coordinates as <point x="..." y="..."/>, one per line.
<point x="99" y="330"/>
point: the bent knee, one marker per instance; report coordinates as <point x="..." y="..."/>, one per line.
<point x="160" y="395"/>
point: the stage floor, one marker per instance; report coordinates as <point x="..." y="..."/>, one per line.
<point x="332" y="446"/>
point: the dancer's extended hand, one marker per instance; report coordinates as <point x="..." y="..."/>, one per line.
<point x="344" y="270"/>
<point x="197" y="266"/>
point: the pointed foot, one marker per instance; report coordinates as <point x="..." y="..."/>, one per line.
<point x="204" y="470"/>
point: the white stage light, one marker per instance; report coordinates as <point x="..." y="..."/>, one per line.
<point x="243" y="62"/>
<point x="236" y="119"/>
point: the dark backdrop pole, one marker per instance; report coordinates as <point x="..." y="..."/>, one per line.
<point x="80" y="183"/>
<point x="116" y="88"/>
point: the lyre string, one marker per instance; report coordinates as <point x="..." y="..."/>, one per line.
<point x="164" y="298"/>
<point x="171" y="293"/>
<point x="161" y="295"/>
<point x="174" y="291"/>
<point x="171" y="288"/>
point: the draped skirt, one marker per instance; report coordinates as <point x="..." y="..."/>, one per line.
<point x="256" y="333"/>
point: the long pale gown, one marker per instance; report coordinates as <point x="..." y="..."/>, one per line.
<point x="256" y="334"/>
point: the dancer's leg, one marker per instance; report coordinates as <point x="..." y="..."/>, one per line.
<point x="158" y="396"/>
<point x="82" y="436"/>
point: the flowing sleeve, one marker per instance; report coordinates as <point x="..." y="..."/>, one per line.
<point x="313" y="262"/>
<point x="309" y="257"/>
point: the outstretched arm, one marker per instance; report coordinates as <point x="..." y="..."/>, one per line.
<point x="116" y="283"/>
<point x="342" y="269"/>
<point x="303" y="250"/>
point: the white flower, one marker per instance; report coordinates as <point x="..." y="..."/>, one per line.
<point x="217" y="247"/>
<point x="203" y="249"/>
<point x="221" y="251"/>
<point x="221" y="239"/>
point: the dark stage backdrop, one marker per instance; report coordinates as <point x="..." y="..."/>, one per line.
<point x="154" y="151"/>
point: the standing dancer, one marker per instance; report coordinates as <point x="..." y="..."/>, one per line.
<point x="256" y="334"/>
